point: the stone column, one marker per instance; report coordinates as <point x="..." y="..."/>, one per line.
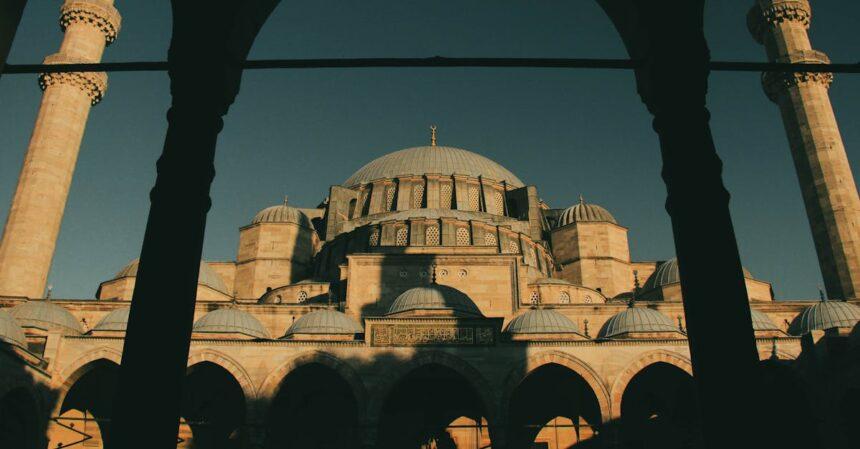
<point x="826" y="181"/>
<point x="33" y="224"/>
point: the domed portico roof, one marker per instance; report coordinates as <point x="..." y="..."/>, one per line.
<point x="207" y="277"/>
<point x="47" y="316"/>
<point x="432" y="159"/>
<point x="230" y="320"/>
<point x="282" y="213"/>
<point x="827" y="314"/>
<point x="585" y="212"/>
<point x="667" y="273"/>
<point x="116" y="320"/>
<point x="325" y="322"/>
<point x="541" y="321"/>
<point x="637" y="320"/>
<point x="10" y="330"/>
<point x="434" y="297"/>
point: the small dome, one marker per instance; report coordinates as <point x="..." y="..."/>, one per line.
<point x="282" y="213"/>
<point x="10" y="330"/>
<point x="230" y="320"/>
<point x="47" y="316"/>
<point x="207" y="276"/>
<point x="637" y="319"/>
<point x="826" y="315"/>
<point x="432" y="159"/>
<point x="434" y="297"/>
<point x="762" y="322"/>
<point x="116" y="320"/>
<point x="541" y="321"/>
<point x="325" y="322"/>
<point x="584" y="212"/>
<point x="667" y="273"/>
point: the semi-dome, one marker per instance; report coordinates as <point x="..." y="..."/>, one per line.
<point x="762" y="322"/>
<point x="10" y="330"/>
<point x="47" y="316"/>
<point x="637" y="320"/>
<point x="116" y="320"/>
<point x="541" y="321"/>
<point x="327" y="321"/>
<point x="825" y="315"/>
<point x="282" y="213"/>
<point x="230" y="320"/>
<point x="434" y="297"/>
<point x="432" y="159"/>
<point x="207" y="276"/>
<point x="667" y="273"/>
<point x="584" y="212"/>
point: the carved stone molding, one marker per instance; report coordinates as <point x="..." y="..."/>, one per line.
<point x="99" y="13"/>
<point x="774" y="12"/>
<point x="775" y="83"/>
<point x="94" y="84"/>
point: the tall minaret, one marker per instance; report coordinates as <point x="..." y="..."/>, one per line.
<point x="826" y="181"/>
<point x="33" y="224"/>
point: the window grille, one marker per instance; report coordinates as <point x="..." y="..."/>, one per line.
<point x="303" y="296"/>
<point x="535" y="297"/>
<point x="362" y="204"/>
<point x="417" y="195"/>
<point x="462" y="237"/>
<point x="446" y="193"/>
<point x="389" y="198"/>
<point x="432" y="235"/>
<point x="564" y="298"/>
<point x="474" y="198"/>
<point x="402" y="238"/>
<point x="513" y="247"/>
<point x="374" y="238"/>
<point x="490" y="238"/>
<point x="498" y="203"/>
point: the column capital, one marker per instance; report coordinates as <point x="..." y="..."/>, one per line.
<point x="98" y="13"/>
<point x="94" y="84"/>
<point x="773" y="12"/>
<point x="775" y="83"/>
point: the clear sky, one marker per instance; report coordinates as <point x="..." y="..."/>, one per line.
<point x="298" y="132"/>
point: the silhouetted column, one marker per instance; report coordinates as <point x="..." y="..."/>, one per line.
<point x="208" y="45"/>
<point x="722" y="344"/>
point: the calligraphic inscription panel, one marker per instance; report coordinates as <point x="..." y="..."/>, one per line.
<point x="428" y="335"/>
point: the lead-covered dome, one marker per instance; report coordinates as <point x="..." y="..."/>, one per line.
<point x="637" y="320"/>
<point x="762" y="322"/>
<point x="434" y="297"/>
<point x="667" y="273"/>
<point x="282" y="213"/>
<point x="230" y="320"/>
<point x="207" y="276"/>
<point x="116" y="320"/>
<point x="541" y="321"/>
<point x="432" y="159"/>
<point x="325" y="322"/>
<point x="585" y="212"/>
<point x="825" y="315"/>
<point x="46" y="316"/>
<point x="10" y="330"/>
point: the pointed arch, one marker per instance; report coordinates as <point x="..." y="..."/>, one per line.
<point x="636" y="366"/>
<point x="231" y="366"/>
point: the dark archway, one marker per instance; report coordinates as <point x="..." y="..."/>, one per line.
<point x="314" y="408"/>
<point x="432" y="406"/>
<point x="552" y="401"/>
<point x="88" y="405"/>
<point x="19" y="423"/>
<point x="659" y="409"/>
<point x="785" y="408"/>
<point x="213" y="406"/>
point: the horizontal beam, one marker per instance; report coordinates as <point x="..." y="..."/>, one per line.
<point x="434" y="62"/>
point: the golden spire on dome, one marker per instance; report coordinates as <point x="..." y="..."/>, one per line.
<point x="433" y="135"/>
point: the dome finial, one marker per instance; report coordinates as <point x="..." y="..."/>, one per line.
<point x="432" y="135"/>
<point x="581" y="199"/>
<point x="821" y="294"/>
<point x="286" y="199"/>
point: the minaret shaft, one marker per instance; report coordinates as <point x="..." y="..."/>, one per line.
<point x="823" y="170"/>
<point x="33" y="223"/>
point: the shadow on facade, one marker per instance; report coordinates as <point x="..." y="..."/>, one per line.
<point x="24" y="403"/>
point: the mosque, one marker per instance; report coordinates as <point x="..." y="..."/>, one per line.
<point x="431" y="300"/>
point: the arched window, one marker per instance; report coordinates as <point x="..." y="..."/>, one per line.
<point x="352" y="204"/>
<point x="303" y="296"/>
<point x="390" y="191"/>
<point x="498" y="203"/>
<point x="374" y="237"/>
<point x="446" y="195"/>
<point x="402" y="237"/>
<point x="490" y="238"/>
<point x="564" y="298"/>
<point x="432" y="235"/>
<point x="513" y="247"/>
<point x="474" y="198"/>
<point x="418" y="195"/>
<point x="535" y="297"/>
<point x="462" y="237"/>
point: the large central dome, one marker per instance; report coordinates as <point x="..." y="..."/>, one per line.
<point x="435" y="160"/>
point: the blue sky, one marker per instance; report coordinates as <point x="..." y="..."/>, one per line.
<point x="295" y="132"/>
